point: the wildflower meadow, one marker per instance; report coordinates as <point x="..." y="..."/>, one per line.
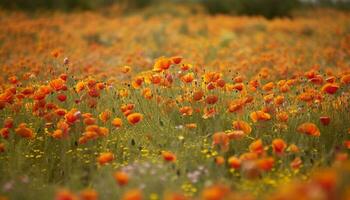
<point x="173" y="103"/>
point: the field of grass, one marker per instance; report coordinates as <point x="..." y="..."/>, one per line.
<point x="174" y="106"/>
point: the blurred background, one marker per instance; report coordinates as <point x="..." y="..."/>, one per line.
<point x="267" y="8"/>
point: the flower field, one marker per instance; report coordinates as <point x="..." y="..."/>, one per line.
<point x="174" y="106"/>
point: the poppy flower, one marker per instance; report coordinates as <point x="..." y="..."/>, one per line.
<point x="242" y="125"/>
<point x="282" y="116"/>
<point x="191" y="126"/>
<point x="126" y="69"/>
<point x="122" y="178"/>
<point x="187" y="78"/>
<point x="238" y="86"/>
<point x="117" y="122"/>
<point x="57" y="134"/>
<point x="210" y="86"/>
<point x="268" y="86"/>
<point x="219" y="160"/>
<point x="221" y="139"/>
<point x="5" y="133"/>
<point x="156" y="78"/>
<point x="62" y="97"/>
<point x="234" y="162"/>
<point x="309" y="129"/>
<point x="221" y="83"/>
<point x="325" y="120"/>
<point x="236" y="105"/>
<point x="105" y="158"/>
<point x="161" y="64"/>
<point x="235" y="135"/>
<point x="71" y="117"/>
<point x="176" y="59"/>
<point x="260" y="116"/>
<point x="134" y="194"/>
<point x="137" y="82"/>
<point x="257" y="147"/>
<point x="293" y="148"/>
<point x="330" y="88"/>
<point x="186" y="111"/>
<point x="147" y="93"/>
<point x="60" y="112"/>
<point x="296" y="163"/>
<point x="215" y="192"/>
<point x="134" y="118"/>
<point x="211" y="99"/>
<point x="88" y="194"/>
<point x="345" y="79"/>
<point x="105" y="116"/>
<point x="266" y="164"/>
<point x="89" y="121"/>
<point x="57" y="84"/>
<point x="278" y="146"/>
<point x="79" y="86"/>
<point x="64" y="194"/>
<point x="8" y="123"/>
<point x="23" y="131"/>
<point x="168" y="156"/>
<point x="279" y="100"/>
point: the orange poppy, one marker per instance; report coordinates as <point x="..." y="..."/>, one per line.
<point x="266" y="164"/>
<point x="161" y="64"/>
<point x="23" y="131"/>
<point x="221" y="139"/>
<point x="215" y="192"/>
<point x="134" y="194"/>
<point x="134" y="118"/>
<point x="242" y="125"/>
<point x="296" y="163"/>
<point x="8" y="123"/>
<point x="117" y="122"/>
<point x="268" y="86"/>
<point x="235" y="135"/>
<point x="65" y="195"/>
<point x="105" y="158"/>
<point x="122" y="178"/>
<point x="176" y="59"/>
<point x="57" y="84"/>
<point x="260" y="116"/>
<point x="105" y="116"/>
<point x="234" y="162"/>
<point x="330" y="88"/>
<point x="293" y="148"/>
<point x="345" y="79"/>
<point x="88" y="194"/>
<point x="309" y="129"/>
<point x="257" y="147"/>
<point x="89" y="121"/>
<point x="57" y="134"/>
<point x="168" y="156"/>
<point x="211" y="99"/>
<point x="186" y="111"/>
<point x="219" y="160"/>
<point x="5" y="133"/>
<point x="278" y="146"/>
<point x="187" y="78"/>
<point x="282" y="116"/>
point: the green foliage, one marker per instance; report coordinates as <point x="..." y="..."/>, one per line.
<point x="68" y="5"/>
<point x="267" y="8"/>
